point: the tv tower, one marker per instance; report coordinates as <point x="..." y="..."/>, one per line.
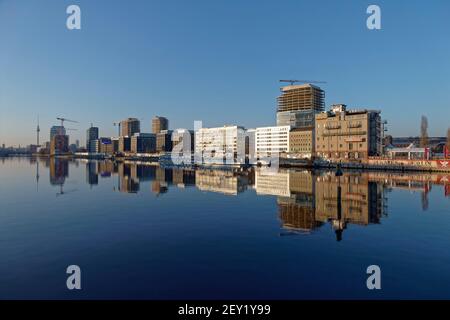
<point x="37" y="132"/>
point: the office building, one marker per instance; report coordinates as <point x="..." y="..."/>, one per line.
<point x="143" y="143"/>
<point x="159" y="124"/>
<point x="343" y="134"/>
<point x="301" y="142"/>
<point x="271" y="141"/>
<point x="91" y="136"/>
<point x="164" y="141"/>
<point x="129" y="127"/>
<point x="57" y="131"/>
<point x="220" y="145"/>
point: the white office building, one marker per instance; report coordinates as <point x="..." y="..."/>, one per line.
<point x="221" y="145"/>
<point x="271" y="141"/>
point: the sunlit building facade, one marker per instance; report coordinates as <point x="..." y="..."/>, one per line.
<point x="220" y="145"/>
<point x="343" y="134"/>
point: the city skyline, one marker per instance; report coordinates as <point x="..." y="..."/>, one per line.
<point x="218" y="63"/>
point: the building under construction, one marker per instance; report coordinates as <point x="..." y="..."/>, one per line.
<point x="301" y="97"/>
<point x="298" y="105"/>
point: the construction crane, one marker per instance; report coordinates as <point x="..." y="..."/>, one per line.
<point x="64" y="119"/>
<point x="301" y="81"/>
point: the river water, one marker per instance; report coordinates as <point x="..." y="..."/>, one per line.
<point x="145" y="232"/>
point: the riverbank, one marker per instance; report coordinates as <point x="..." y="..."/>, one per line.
<point x="381" y="164"/>
<point x="373" y="163"/>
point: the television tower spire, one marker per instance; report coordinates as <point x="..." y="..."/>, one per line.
<point x="38" y="130"/>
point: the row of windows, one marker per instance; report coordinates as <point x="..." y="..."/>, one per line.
<point x="350" y="146"/>
<point x="340" y="138"/>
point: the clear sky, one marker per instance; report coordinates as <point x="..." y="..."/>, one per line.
<point x="218" y="61"/>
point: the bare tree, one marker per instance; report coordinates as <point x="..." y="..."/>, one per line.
<point x="448" y="139"/>
<point x="424" y="132"/>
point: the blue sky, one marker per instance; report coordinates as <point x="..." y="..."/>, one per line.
<point x="217" y="61"/>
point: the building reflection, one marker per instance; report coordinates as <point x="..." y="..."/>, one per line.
<point x="59" y="171"/>
<point x="297" y="212"/>
<point x="305" y="200"/>
<point x="348" y="199"/>
<point x="91" y="173"/>
<point x="222" y="181"/>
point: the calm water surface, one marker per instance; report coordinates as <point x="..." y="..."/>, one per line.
<point x="141" y="231"/>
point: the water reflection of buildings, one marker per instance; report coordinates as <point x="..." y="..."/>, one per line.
<point x="349" y="199"/>
<point x="91" y="173"/>
<point x="297" y="212"/>
<point x="305" y="200"/>
<point x="59" y="171"/>
<point x="132" y="174"/>
<point x="222" y="181"/>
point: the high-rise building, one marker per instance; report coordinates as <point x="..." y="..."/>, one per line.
<point x="159" y="124"/>
<point x="91" y="136"/>
<point x="124" y="144"/>
<point x="301" y="97"/>
<point x="348" y="134"/>
<point x="298" y="105"/>
<point x="59" y="144"/>
<point x="57" y="130"/>
<point x="164" y="141"/>
<point x="129" y="127"/>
